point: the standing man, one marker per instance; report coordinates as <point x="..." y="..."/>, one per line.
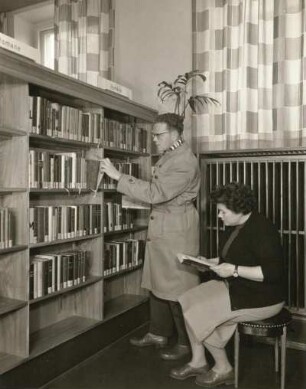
<point x="173" y="228"/>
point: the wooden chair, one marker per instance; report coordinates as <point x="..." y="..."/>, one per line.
<point x="274" y="327"/>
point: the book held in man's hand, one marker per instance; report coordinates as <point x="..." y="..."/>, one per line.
<point x="194" y="261"/>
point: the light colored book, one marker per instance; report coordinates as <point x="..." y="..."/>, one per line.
<point x="194" y="261"/>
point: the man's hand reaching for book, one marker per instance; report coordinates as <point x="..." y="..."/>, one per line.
<point x="108" y="168"/>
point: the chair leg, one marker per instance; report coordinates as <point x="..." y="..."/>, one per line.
<point x="283" y="357"/>
<point x="276" y="355"/>
<point x="236" y="356"/>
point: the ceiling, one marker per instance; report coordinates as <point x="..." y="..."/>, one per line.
<point x="12" y="5"/>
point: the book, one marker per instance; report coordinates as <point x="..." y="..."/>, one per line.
<point x="194" y="261"/>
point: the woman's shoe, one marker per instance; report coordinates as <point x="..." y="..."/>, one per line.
<point x="149" y="340"/>
<point x="186" y="371"/>
<point x="212" y="379"/>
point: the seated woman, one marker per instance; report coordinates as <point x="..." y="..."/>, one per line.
<point x="248" y="285"/>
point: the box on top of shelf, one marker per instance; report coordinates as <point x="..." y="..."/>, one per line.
<point x="112" y="86"/>
<point x="18" y="47"/>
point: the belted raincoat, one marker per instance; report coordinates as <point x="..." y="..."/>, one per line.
<point x="173" y="222"/>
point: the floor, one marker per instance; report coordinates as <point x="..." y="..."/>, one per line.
<point x="122" y="366"/>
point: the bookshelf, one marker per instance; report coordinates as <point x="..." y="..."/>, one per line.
<point x="31" y="325"/>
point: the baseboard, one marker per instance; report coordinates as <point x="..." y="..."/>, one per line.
<point x="36" y="372"/>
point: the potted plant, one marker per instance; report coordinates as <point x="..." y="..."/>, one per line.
<point x="180" y="92"/>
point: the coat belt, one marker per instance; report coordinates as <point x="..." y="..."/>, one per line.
<point x="172" y="208"/>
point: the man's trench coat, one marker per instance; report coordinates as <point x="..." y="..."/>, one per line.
<point x="173" y="223"/>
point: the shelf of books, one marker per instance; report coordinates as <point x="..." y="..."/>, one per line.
<point x="71" y="252"/>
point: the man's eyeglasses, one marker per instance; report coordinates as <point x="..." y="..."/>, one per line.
<point x="159" y="135"/>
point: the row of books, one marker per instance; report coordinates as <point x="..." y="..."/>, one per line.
<point x="6" y="227"/>
<point x="130" y="168"/>
<point x="88" y="125"/>
<point x="49" y="223"/>
<point x="53" y="272"/>
<point x="61" y="121"/>
<point x="124" y="136"/>
<point x="123" y="254"/>
<point x="53" y="170"/>
<point x="117" y="218"/>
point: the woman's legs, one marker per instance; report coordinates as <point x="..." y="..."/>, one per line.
<point x="198" y="351"/>
<point x="222" y="364"/>
<point x="198" y="364"/>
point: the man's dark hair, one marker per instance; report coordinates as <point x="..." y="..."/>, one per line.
<point x="173" y="121"/>
<point x="237" y="197"/>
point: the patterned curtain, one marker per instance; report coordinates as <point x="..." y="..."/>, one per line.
<point x="84" y="39"/>
<point x="3" y="23"/>
<point x="254" y="55"/>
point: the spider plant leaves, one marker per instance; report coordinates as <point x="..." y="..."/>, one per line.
<point x="181" y="79"/>
<point x="205" y="99"/>
<point x="166" y="94"/>
<point x="198" y="101"/>
<point x="178" y="91"/>
<point x="168" y="90"/>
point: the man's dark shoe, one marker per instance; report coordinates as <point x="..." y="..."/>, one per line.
<point x="212" y="379"/>
<point x="174" y="353"/>
<point x="149" y="340"/>
<point x="186" y="371"/>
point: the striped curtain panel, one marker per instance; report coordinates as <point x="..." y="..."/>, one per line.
<point x="254" y="55"/>
<point x="84" y="39"/>
<point x="3" y="23"/>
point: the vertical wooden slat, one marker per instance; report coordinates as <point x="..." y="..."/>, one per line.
<point x="259" y="186"/>
<point x="273" y="191"/>
<point x="217" y="223"/>
<point x="267" y="189"/>
<point x="304" y="236"/>
<point x="297" y="239"/>
<point x="231" y="171"/>
<point x="281" y="201"/>
<point x="211" y="221"/>
<point x="289" y="232"/>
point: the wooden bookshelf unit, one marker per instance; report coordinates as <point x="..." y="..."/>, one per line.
<point x="33" y="326"/>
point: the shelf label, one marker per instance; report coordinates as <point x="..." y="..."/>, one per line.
<point x="18" y="47"/>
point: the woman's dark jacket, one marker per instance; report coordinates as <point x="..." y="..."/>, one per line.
<point x="257" y="244"/>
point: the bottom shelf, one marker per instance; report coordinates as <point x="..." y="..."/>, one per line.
<point x="121" y="304"/>
<point x="65" y="344"/>
<point x="57" y="333"/>
<point x="67" y="329"/>
<point x="9" y="361"/>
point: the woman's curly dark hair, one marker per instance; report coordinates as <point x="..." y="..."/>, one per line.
<point x="237" y="197"/>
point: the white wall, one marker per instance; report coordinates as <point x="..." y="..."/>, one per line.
<point x="24" y="31"/>
<point x="152" y="43"/>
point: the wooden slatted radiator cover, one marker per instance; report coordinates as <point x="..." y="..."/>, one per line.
<point x="278" y="178"/>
